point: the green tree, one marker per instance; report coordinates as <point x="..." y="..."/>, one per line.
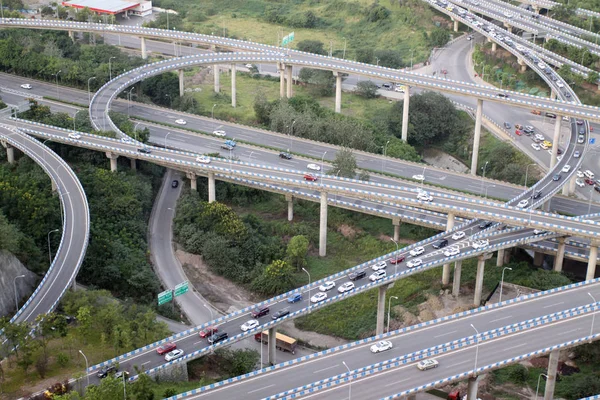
<point x="321" y="82"/>
<point x="311" y="46"/>
<point x="277" y="277"/>
<point x="389" y="58"/>
<point x="398" y="148"/>
<point x="109" y="388"/>
<point x="237" y="362"/>
<point x="142" y="388"/>
<point x="297" y="250"/>
<point x="344" y="164"/>
<point x="439" y="37"/>
<point x="9" y="235"/>
<point x="366" y="89"/>
<point x="593" y="77"/>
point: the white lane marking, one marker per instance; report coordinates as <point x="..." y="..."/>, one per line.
<point x="500" y="319"/>
<point x="397" y="382"/>
<point x="445" y="334"/>
<point x="462" y="362"/>
<point x="263" y="388"/>
<point x="325" y="369"/>
<point x="555" y="304"/>
<point x="198" y="342"/>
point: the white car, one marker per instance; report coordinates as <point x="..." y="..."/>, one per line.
<point x="313" y="167"/>
<point x="180" y="121"/>
<point x="427" y="364"/>
<point x="523" y="203"/>
<point x="424" y="196"/>
<point x="536" y="146"/>
<point x="26" y="86"/>
<point x="377" y="276"/>
<point x="538" y="231"/>
<point x="560" y="84"/>
<point x="346" y="287"/>
<point x="203" y="160"/>
<point x="380" y="346"/>
<point x="539" y="136"/>
<point x="458" y="235"/>
<point x="566" y="168"/>
<point x="580" y="183"/>
<point x="544" y="146"/>
<point x="414" y="263"/>
<point x="74" y="135"/>
<point x="580" y="174"/>
<point x="452" y="251"/>
<point x="327" y="286"/>
<point x="249" y="65"/>
<point x="126" y="140"/>
<point x="379" y="265"/>
<point x="417" y="250"/>
<point x="480" y="244"/>
<point x="419" y="177"/>
<point x="253" y="323"/>
<point x="219" y="132"/>
<point x="507" y="14"/>
<point x="318" y="297"/>
<point x="175" y="354"/>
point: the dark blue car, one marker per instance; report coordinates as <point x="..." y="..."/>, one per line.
<point x="295" y="298"/>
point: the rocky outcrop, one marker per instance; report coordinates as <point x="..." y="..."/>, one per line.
<point x="10" y="268"/>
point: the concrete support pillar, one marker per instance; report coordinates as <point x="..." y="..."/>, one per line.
<point x="500" y="258"/>
<point x="217" y="81"/>
<point x="323" y="226"/>
<point x="338" y="92"/>
<point x="411" y="397"/>
<point x="143" y="47"/>
<point x="290" y="200"/>
<point x="551" y="381"/>
<point x="10" y="154"/>
<point x="477" y="137"/>
<point x="455" y="25"/>
<point x="472" y="387"/>
<point x="396" y="223"/>
<point x="113" y="161"/>
<point x="446" y="267"/>
<point x="546" y="206"/>
<point x="560" y="255"/>
<point x="211" y="187"/>
<point x="493" y="46"/>
<point x="553" y="96"/>
<point x="133" y="164"/>
<point x="555" y="140"/>
<point x="281" y="82"/>
<point x="591" y="267"/>
<point x="456" y="281"/>
<point x="569" y="188"/>
<point x="509" y="28"/>
<point x="272" y="346"/>
<point x="381" y="309"/>
<point x="72" y="35"/>
<point x="479" y="280"/>
<point x="181" y="85"/>
<point x="54" y="188"/>
<point x="289" y="81"/>
<point x="489" y="39"/>
<point x="233" y="86"/>
<point x="538" y="259"/>
<point x="193" y="183"/>
<point x="405" y="106"/>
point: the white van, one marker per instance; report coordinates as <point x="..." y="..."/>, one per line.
<point x="589" y="174"/>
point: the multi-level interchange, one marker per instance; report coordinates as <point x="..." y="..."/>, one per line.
<point x="464" y="345"/>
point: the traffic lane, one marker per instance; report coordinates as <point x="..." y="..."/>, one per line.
<point x="456" y="362"/>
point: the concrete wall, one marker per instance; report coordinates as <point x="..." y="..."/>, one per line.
<point x="11" y="267"/>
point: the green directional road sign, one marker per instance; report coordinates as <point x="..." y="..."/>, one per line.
<point x="182" y="288"/>
<point x="287" y="39"/>
<point x="165" y="297"/>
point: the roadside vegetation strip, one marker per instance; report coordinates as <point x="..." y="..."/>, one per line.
<point x="401" y="360"/>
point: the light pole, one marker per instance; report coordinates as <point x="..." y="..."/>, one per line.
<point x="166" y="136"/>
<point x="290" y="134"/>
<point x="538" y="385"/>
<point x="476" y="350"/>
<point x="15" y="286"/>
<point x="56" y="75"/>
<point x="49" y="248"/>
<point x="389" y="308"/>
<point x="377" y="58"/>
<point x="591" y="196"/>
<point x="526" y="171"/>
<point x="308" y="273"/>
<point x="75" y="119"/>
<point x="170" y="99"/>
<point x="502" y="282"/>
<point x="344" y="53"/>
<point x="486" y="189"/>
<point x="89" y="95"/>
<point x="411" y="58"/>
<point x="384" y="153"/>
<point x="322" y="171"/>
<point x="129" y="102"/>
<point x="124" y="388"/>
<point x="423" y="174"/>
<point x="483" y="176"/>
<point x="211" y="311"/>
<point x="483" y="72"/>
<point x="86" y="367"/>
<point x="395" y="255"/>
<point x="593" y="315"/>
<point x="212" y="114"/>
<point x="135" y="131"/>
<point x="349" y="380"/>
<point x="110" y="68"/>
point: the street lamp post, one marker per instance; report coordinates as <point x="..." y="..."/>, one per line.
<point x="593" y="315"/>
<point x="166" y="136"/>
<point x="75" y="119"/>
<point x="129" y="102"/>
<point x="322" y="171"/>
<point x="377" y="58"/>
<point x="349" y="380"/>
<point x="344" y="53"/>
<point x="170" y="99"/>
<point x="308" y="273"/>
<point x="86" y="367"/>
<point x="15" y="286"/>
<point x="135" y="130"/>
<point x="526" y="171"/>
<point x="389" y="308"/>
<point x="110" y="68"/>
<point x="395" y="255"/>
<point x="411" y="58"/>
<point x="591" y="196"/>
<point x="483" y="175"/>
<point x="486" y="189"/>
<point x="290" y="134"/>
<point x="49" y="248"/>
<point x="538" y="385"/>
<point x="476" y="350"/>
<point x="384" y="153"/>
<point x="211" y="311"/>
<point x="56" y="75"/>
<point x="502" y="282"/>
<point x="212" y="114"/>
<point x="89" y="95"/>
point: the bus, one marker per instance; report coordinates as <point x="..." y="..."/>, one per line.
<point x="282" y="342"/>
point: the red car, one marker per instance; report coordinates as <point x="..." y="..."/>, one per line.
<point x="165" y="348"/>
<point x="518" y="132"/>
<point x="589" y="181"/>
<point x="206" y="332"/>
<point x="536" y="112"/>
<point x="310" y="177"/>
<point x="397" y="260"/>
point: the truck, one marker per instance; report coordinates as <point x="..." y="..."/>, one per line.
<point x="282" y="342"/>
<point x="229" y="144"/>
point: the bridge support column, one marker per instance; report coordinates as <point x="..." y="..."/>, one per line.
<point x="281" y="82"/>
<point x="72" y="35"/>
<point x="411" y="397"/>
<point x="591" y="267"/>
<point x="456" y="281"/>
<point x="289" y="81"/>
<point x="10" y="153"/>
<point x="113" y="161"/>
<point x="479" y="279"/>
<point x="493" y="46"/>
<point x="217" y="78"/>
<point x="473" y="387"/>
<point x="323" y="226"/>
<point x="560" y="255"/>
<point x="54" y="188"/>
<point x="338" y="92"/>
<point x="396" y="223"/>
<point x="272" y="346"/>
<point x="290" y="200"/>
<point x="233" y="86"/>
<point x="211" y="187"/>
<point x="570" y="188"/>
<point x="553" y="96"/>
<point x="555" y="140"/>
<point x="500" y="258"/>
<point x="551" y="380"/>
<point x="381" y="309"/>
<point x="538" y="259"/>
<point x="477" y="137"/>
<point x="181" y="85"/>
<point x="446" y="267"/>
<point x="143" y="48"/>
<point x="405" y="106"/>
<point x="133" y="163"/>
<point x="193" y="183"/>
<point x="455" y="25"/>
<point x="522" y="64"/>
